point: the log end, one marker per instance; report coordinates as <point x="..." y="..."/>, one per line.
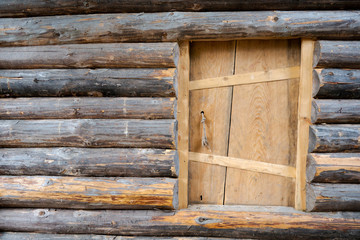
<point x="314" y="111"/>
<point x="175" y="172"/>
<point x="176" y="195"/>
<point x="312" y="139"/>
<point x="310" y="168"/>
<point x="317" y="54"/>
<point x="310" y="198"/>
<point x="316" y="82"/>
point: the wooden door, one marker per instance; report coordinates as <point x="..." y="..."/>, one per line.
<point x="248" y="91"/>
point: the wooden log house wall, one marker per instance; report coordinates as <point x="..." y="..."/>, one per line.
<point x="333" y="169"/>
<point x="94" y="118"/>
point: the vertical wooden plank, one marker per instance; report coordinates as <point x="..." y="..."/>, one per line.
<point x="304" y="121"/>
<point x="263" y="124"/>
<point x="183" y="121"/>
<point x="210" y="59"/>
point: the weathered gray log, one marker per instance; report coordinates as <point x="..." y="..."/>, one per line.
<point x="333" y="168"/>
<point x="337" y="54"/>
<point x="334" y="138"/>
<point x="336" y="83"/>
<point x="324" y="197"/>
<point x="23" y="8"/>
<point x="175" y="26"/>
<point x="88" y="82"/>
<point x="234" y="224"/>
<point x="88" y="193"/>
<point x="88" y="133"/>
<point x="111" y="55"/>
<point x="335" y="111"/>
<point x="105" y="162"/>
<point x="67" y="108"/>
<point x="51" y="236"/>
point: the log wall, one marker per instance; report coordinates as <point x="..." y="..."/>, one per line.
<point x="333" y="168"/>
<point x="85" y="113"/>
<point x="88" y="117"/>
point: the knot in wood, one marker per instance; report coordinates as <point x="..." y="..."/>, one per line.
<point x="205" y="220"/>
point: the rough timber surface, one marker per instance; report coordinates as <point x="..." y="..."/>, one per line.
<point x="334" y="138"/>
<point x="98" y="108"/>
<point x="335" y="111"/>
<point x="324" y="197"/>
<point x="105" y="162"/>
<point x="112" y="55"/>
<point x="22" y="8"/>
<point x="127" y="82"/>
<point x="47" y="236"/>
<point x="206" y="223"/>
<point x="88" y="193"/>
<point x="333" y="168"/>
<point x="176" y="26"/>
<point x="88" y="133"/>
<point x="337" y="54"/>
<point x="336" y="83"/>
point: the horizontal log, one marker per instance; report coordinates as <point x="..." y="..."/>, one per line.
<point x="88" y="82"/>
<point x="333" y="197"/>
<point x="47" y="236"/>
<point x="111" y="55"/>
<point x="68" y="108"/>
<point x="334" y="138"/>
<point x="88" y="193"/>
<point x="337" y="54"/>
<point x="336" y="83"/>
<point x="335" y="111"/>
<point x="206" y="223"/>
<point x="23" y="8"/>
<point x="176" y="26"/>
<point x="88" y="133"/>
<point x="333" y="168"/>
<point x="105" y="162"/>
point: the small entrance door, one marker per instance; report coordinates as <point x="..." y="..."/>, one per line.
<point x="248" y="92"/>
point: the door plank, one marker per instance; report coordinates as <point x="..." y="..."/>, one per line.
<point x="263" y="124"/>
<point x="209" y="59"/>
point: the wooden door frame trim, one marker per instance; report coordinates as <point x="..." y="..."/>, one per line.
<point x="304" y="121"/>
<point x="183" y="121"/>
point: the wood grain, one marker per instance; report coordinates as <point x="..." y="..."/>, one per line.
<point x="86" y="162"/>
<point x="336" y="83"/>
<point x="303" y="121"/>
<point x="175" y="26"/>
<point x="333" y="168"/>
<point x="323" y="197"/>
<point x="262" y="124"/>
<point x="23" y="8"/>
<point x="337" y="54"/>
<point x="207" y="223"/>
<point x="244" y="164"/>
<point x="88" y="193"/>
<point x="88" y="82"/>
<point x="209" y="59"/>
<point x="113" y="55"/>
<point x="183" y="123"/>
<point x="335" y="111"/>
<point x="247" y="78"/>
<point x="88" y="133"/>
<point x="47" y="236"/>
<point x="334" y="138"/>
<point x="98" y="108"/>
